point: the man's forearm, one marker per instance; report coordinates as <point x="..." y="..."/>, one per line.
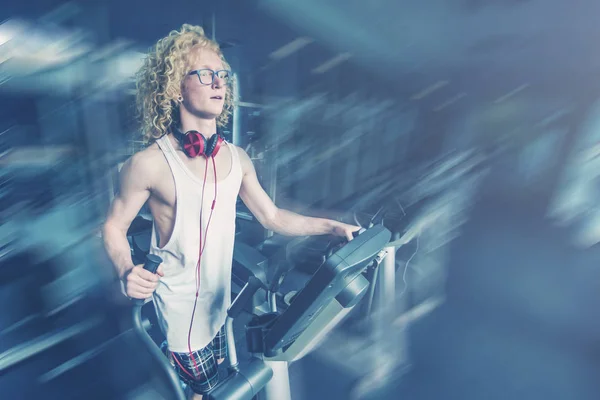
<point x="289" y="223"/>
<point x="117" y="247"/>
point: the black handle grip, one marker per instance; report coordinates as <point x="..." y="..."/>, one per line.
<point x="358" y="232"/>
<point x="244" y="296"/>
<point x="151" y="264"/>
<point x="338" y="242"/>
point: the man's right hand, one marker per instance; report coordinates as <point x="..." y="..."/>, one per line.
<point x="139" y="283"/>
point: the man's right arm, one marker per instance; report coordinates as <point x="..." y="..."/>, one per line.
<point x="134" y="191"/>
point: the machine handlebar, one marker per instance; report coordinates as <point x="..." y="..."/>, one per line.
<point x="152" y="263"/>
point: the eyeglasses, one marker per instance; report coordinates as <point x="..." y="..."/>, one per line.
<point x="207" y="76"/>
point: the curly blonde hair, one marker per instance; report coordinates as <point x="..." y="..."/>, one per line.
<point x="159" y="79"/>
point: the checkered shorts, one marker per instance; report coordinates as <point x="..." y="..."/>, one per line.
<point x="202" y="376"/>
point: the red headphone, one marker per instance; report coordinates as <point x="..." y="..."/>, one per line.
<point x="195" y="144"/>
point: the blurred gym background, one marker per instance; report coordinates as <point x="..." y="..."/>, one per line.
<point x="479" y="118"/>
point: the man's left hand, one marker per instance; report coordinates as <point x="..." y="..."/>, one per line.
<point x="344" y="230"/>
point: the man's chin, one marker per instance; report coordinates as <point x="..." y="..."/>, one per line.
<point x="208" y="114"/>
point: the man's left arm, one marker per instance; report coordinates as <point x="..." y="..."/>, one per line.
<point x="282" y="221"/>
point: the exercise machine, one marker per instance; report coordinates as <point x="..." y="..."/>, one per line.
<point x="277" y="338"/>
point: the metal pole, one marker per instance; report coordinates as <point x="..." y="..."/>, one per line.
<point x="235" y="124"/>
<point x="231" y="352"/>
<point x="272" y="185"/>
<point x="213" y="26"/>
<point x="278" y="388"/>
<point x="273" y="301"/>
<point x="385" y="311"/>
<point x="387" y="281"/>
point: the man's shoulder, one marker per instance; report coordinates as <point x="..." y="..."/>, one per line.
<point x="236" y="147"/>
<point x="150" y="153"/>
<point x="147" y="161"/>
<point x="243" y="156"/>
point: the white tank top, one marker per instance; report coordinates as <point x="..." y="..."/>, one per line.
<point x="175" y="294"/>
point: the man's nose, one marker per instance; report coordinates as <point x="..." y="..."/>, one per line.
<point x="217" y="82"/>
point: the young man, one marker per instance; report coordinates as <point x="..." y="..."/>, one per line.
<point x="191" y="184"/>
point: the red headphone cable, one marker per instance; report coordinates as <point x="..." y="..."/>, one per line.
<point x="201" y="251"/>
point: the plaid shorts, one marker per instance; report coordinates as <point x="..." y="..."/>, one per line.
<point x="202" y="376"/>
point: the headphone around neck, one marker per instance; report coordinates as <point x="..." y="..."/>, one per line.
<point x="195" y="144"/>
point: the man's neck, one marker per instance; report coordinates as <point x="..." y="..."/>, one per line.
<point x="207" y="127"/>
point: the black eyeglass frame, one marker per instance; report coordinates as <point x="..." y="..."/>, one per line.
<point x="214" y="73"/>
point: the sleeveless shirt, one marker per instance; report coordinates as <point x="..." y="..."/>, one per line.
<point x="176" y="291"/>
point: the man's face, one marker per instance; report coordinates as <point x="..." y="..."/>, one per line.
<point x="203" y="95"/>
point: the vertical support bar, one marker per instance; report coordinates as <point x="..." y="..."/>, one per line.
<point x="387" y="281"/>
<point x="271" y="163"/>
<point x="231" y="351"/>
<point x="278" y="388"/>
<point x="392" y="349"/>
<point x="235" y="124"/>
<point x="272" y="301"/>
<point x="387" y="298"/>
<point x="393" y="343"/>
<point x="272" y="184"/>
<point x="213" y="26"/>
